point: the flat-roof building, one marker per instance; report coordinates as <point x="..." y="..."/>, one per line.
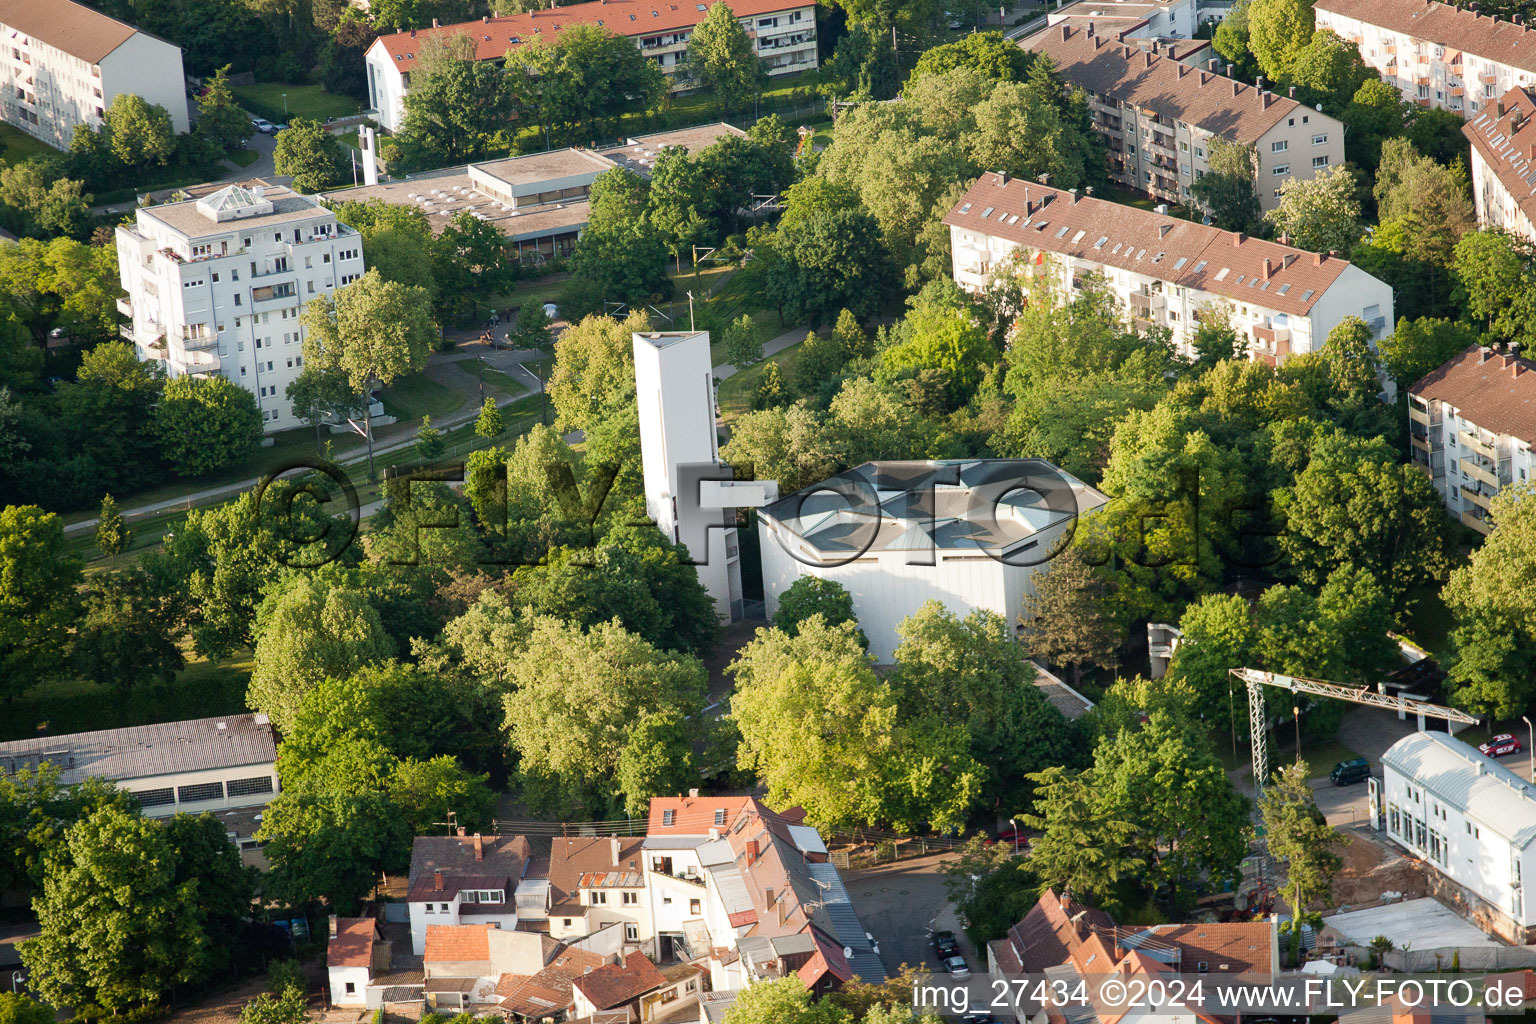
<point x="1158" y="115"/>
<point x="783" y="34"/>
<point x="1165" y="270"/>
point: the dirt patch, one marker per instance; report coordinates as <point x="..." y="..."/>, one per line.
<point x="1373" y="866"/>
<point x="225" y="1007"/>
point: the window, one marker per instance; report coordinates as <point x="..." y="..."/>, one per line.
<point x="1279" y="147"/>
<point x="694" y="907"/>
<point x="631" y="933"/>
<point x="630" y="899"/>
<point x="1280" y="169"/>
<point x="443" y="907"/>
<point x="429" y="909"/>
<point x="155" y="797"/>
<point x="1200" y="151"/>
<point x="200" y="791"/>
<point x="351" y="988"/>
<point x="597" y="899"/>
<point x="1320" y="139"/>
<point x="1320" y="161"/>
<point x="667" y="818"/>
<point x="720" y="816"/>
<point x="1423" y="92"/>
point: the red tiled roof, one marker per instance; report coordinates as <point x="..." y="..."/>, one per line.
<point x="352" y="945"/>
<point x="577" y="862"/>
<point x="693" y="815"/>
<point x="448" y="943"/>
<point x="73" y="28"/>
<point x="493" y="37"/>
<point x="742" y="918"/>
<point x="614" y="985"/>
<point x="1490" y="393"/>
<point x="1237" y="947"/>
<point x="1220" y="105"/>
<point x="1507" y="143"/>
<point x="1478" y="34"/>
<point x="1193" y="255"/>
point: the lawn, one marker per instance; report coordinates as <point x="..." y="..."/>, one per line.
<point x="735" y="392"/>
<point x="16" y="146"/>
<point x="411" y="398"/>
<point x="244" y="157"/>
<point x="201" y="690"/>
<point x="301" y="100"/>
<point x="495" y="379"/>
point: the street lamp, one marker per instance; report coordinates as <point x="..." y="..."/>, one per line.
<point x="1532" y="748"/>
<point x="15" y="981"/>
<point x="1015" y="825"/>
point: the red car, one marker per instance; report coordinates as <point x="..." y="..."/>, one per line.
<point x="1014" y="838"/>
<point x="1503" y="743"/>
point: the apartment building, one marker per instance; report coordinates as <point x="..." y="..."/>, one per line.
<point x="1438" y="55"/>
<point x="1472" y="820"/>
<point x="1166" y="271"/>
<point x="62" y="63"/>
<point x="1138" y="19"/>
<point x="216" y="285"/>
<point x="465" y="880"/>
<point x="1503" y="141"/>
<point x="1471" y="424"/>
<point x="783" y="33"/>
<point x="1158" y="115"/>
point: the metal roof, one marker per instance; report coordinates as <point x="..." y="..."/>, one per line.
<point x="1459" y="775"/>
<point x="731" y="887"/>
<point x="866" y="963"/>
<point x="674" y="842"/>
<point x="144" y="751"/>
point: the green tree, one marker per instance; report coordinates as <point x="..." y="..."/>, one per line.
<point x="657" y="760"/>
<point x="287" y="1007"/>
<point x="1419" y="346"/>
<point x="49" y="204"/>
<point x="743" y="345"/>
<point x="782" y="1001"/>
<point x="1227" y="191"/>
<point x="1231" y="40"/>
<point x="723" y="59"/>
<point x="141" y="133"/>
<point x="426" y="791"/>
<point x="791" y="444"/>
<point x="1490" y="601"/>
<point x="429" y="441"/>
<point x="1082" y="846"/>
<point x="455" y="114"/>
<point x="952" y="342"/>
<point x="18" y="1009"/>
<point x="489" y="423"/>
<point x="133" y="906"/>
<point x="1068" y="619"/>
<point x="1376" y="112"/>
<point x="621" y="256"/>
<point x="471" y="262"/>
<point x="310" y="154"/>
<point x="771" y="389"/>
<point x="127" y="633"/>
<point x="1493" y="268"/>
<point x="219" y="115"/>
<point x="36" y="809"/>
<point x="1299" y="835"/>
<point x="206" y="423"/>
<point x="1321" y="213"/>
<point x="533" y="327"/>
<point x="594" y="374"/>
<point x="305" y="631"/>
<point x="112" y="533"/>
<point x="1278" y="31"/>
<point x="826" y="262"/>
<point x="37" y="596"/>
<point x="1329" y="71"/>
<point x="987" y="53"/>
<point x="397" y="241"/>
<point x="1219" y="635"/>
<point x="588" y="77"/>
<point x="990" y="887"/>
<point x="812" y="595"/>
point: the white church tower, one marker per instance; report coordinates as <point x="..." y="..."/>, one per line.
<point x="688" y="490"/>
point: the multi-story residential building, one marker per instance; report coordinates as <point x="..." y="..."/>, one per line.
<point x="1138" y="19"/>
<point x="62" y="63"/>
<point x="595" y="882"/>
<point x="463" y="879"/>
<point x="1166" y="271"/>
<point x="1469" y="818"/>
<point x="1471" y="425"/>
<point x="1503" y="140"/>
<point x="1438" y="55"/>
<point x="216" y="285"/>
<point x="1158" y="115"/>
<point x="783" y="32"/>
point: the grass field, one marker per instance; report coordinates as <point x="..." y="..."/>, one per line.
<point x="244" y="157"/>
<point x="18" y="146"/>
<point x="302" y="100"/>
<point x="416" y="396"/>
<point x="735" y="393"/>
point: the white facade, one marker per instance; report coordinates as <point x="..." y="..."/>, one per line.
<point x="349" y="985"/>
<point x="1437" y="55"/>
<point x="896" y="535"/>
<point x="1467" y="816"/>
<point x="61" y="65"/>
<point x="1503" y="144"/>
<point x="466" y="906"/>
<point x="216" y="285"/>
<point x="1138" y="19"/>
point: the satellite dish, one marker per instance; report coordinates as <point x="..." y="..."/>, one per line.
<point x="847" y="952"/>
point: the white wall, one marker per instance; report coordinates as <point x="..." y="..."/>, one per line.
<point x="148" y="67"/>
<point x="386" y="87"/>
<point x="223" y="776"/>
<point x="420" y="918"/>
<point x="341" y="977"/>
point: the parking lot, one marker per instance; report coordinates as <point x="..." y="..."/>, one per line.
<point x="900" y="905"/>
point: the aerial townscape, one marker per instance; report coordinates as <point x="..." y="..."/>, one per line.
<point x="767" y="512"/>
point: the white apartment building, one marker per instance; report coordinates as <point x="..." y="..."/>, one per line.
<point x="62" y="63"/>
<point x="1471" y="424"/>
<point x="1504" y="163"/>
<point x="783" y="32"/>
<point x="1166" y="271"/>
<point x="216" y="285"/>
<point x="1471" y="819"/>
<point x="1137" y="19"/>
<point x="895" y="535"/>
<point x="1158" y="115"/>
<point x="1436" y="54"/>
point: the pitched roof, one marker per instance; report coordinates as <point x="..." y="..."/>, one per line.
<point x="456" y="857"/>
<point x="1225" y="263"/>
<point x="692" y="815"/>
<point x="614" y="985"/>
<point x="1478" y="786"/>
<point x="65" y="25"/>
<point x="493" y="37"/>
<point x="541" y="994"/>
<point x="1055" y="931"/>
<point x="1496" y="391"/>
<point x="352" y="945"/>
<point x="1237" y="947"/>
<point x="142" y="751"/>
<point x="1132" y="74"/>
<point x="449" y="943"/>
<point x="577" y="862"/>
<point x="1505" y="137"/>
<point x="1478" y="34"/>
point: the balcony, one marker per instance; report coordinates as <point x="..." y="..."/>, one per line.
<point x="1477" y="523"/>
<point x="1272" y="337"/>
<point x="1478" y="445"/>
<point x="1483" y="475"/>
<point x="1476" y="497"/>
<point x="1148" y="303"/>
<point x="1418" y="415"/>
<point x="125" y="307"/>
<point x="125" y="331"/>
<point x="1421" y="443"/>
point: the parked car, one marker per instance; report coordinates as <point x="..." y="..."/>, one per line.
<point x="551" y="310"/>
<point x="1347" y="773"/>
<point x="1013" y="836"/>
<point x="957" y="967"/>
<point x="945" y="944"/>
<point x="977" y="1017"/>
<point x="279" y="126"/>
<point x="1503" y="743"/>
<point x="263" y="126"/>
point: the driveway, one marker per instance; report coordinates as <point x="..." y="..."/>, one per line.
<point x="262" y="168"/>
<point x="900" y="904"/>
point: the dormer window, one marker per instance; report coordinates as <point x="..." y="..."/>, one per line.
<point x="720" y="816"/>
<point x="667" y="818"/>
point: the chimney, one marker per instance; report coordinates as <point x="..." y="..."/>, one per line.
<point x="614" y="847"/>
<point x="434" y="23"/>
<point x="1501" y="108"/>
<point x="1268" y="267"/>
<point x="1229" y="70"/>
<point x="1287" y="260"/>
<point x="462" y="831"/>
<point x="1089" y="33"/>
<point x="1002" y="178"/>
<point x="437" y="881"/>
<point x="1483" y="352"/>
<point x="479" y="848"/>
<point x="1293" y="92"/>
<point x="1259" y="83"/>
<point x="1183" y="69"/>
<point x="1205" y="76"/>
<point x="1213" y="66"/>
<point x="333" y="926"/>
<point x="485" y="19"/>
<point x="1318" y="258"/>
<point x="1147" y="57"/>
<point x="1237" y="238"/>
<point x="693" y="794"/>
<point x="751" y="852"/>
<point x="1073" y="193"/>
<point x="413" y="33"/>
<point x="1237" y="87"/>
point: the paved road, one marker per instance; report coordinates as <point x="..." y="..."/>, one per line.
<point x="900" y="904"/>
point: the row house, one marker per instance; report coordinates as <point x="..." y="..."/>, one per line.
<point x="1471" y="424"/>
<point x="1503" y="143"/>
<point x="216" y="284"/>
<point x="63" y="63"/>
<point x="1158" y="115"/>
<point x="783" y="33"/>
<point x="464" y="879"/>
<point x="1436" y="54"/>
<point x="1165" y="271"/>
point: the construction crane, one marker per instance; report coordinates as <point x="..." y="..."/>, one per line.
<point x="1256" y="680"/>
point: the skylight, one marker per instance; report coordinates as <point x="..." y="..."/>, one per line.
<point x="1078" y="237"/>
<point x="1063" y="232"/>
<point x="1221" y="275"/>
<point x="966" y="208"/>
<point x="1306" y="294"/>
<point x="1264" y="287"/>
<point x="1100" y="243"/>
<point x="1116" y="250"/>
<point x="1200" y="266"/>
<point x="987" y="212"/>
<point x="1284" y="288"/>
<point x="1014" y="219"/>
<point x="1178" y="264"/>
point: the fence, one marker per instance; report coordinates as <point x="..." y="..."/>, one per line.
<point x="1488" y="958"/>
